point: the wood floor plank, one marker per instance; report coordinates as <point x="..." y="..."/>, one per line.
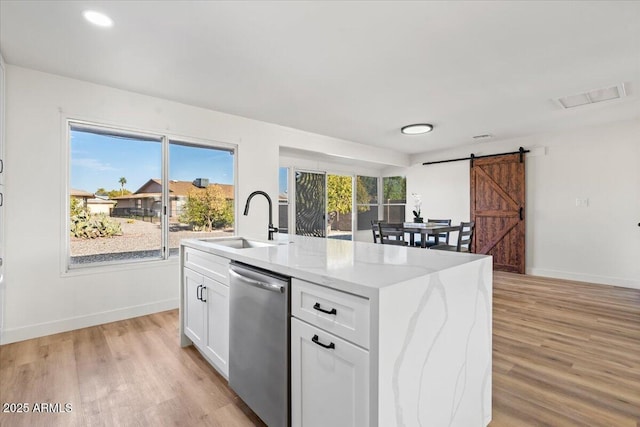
<point x="564" y="354"/>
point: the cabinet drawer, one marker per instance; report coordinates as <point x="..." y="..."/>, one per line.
<point x="342" y="314"/>
<point x="210" y="265"/>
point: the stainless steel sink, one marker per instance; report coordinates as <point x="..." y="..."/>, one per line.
<point x="238" y="242"/>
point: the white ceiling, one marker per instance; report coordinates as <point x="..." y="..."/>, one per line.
<point x="352" y="70"/>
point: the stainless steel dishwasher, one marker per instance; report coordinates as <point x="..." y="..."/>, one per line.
<point x="259" y="341"/>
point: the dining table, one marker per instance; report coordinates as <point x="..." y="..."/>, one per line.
<point x="427" y="228"/>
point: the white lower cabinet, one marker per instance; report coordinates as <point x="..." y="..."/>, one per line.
<point x="194" y="314"/>
<point x="206" y="315"/>
<point x="329" y="379"/>
<point x="217" y="337"/>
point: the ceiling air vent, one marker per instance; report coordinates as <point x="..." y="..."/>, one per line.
<point x="593" y="96"/>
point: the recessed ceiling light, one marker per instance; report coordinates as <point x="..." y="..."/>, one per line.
<point x="417" y="129"/>
<point x="97" y="18"/>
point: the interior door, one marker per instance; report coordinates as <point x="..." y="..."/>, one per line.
<point x="498" y="207"/>
<point x="310" y="204"/>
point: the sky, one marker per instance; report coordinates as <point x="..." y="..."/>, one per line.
<point x="99" y="161"/>
<point x="283" y="184"/>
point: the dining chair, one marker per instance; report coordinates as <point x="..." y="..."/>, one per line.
<point x="443" y="238"/>
<point x="375" y="230"/>
<point x="391" y="233"/>
<point x="465" y="235"/>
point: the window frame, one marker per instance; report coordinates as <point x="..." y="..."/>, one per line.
<point x="287" y="202"/>
<point x="383" y="204"/>
<point x="165" y="139"/>
<point x="371" y="205"/>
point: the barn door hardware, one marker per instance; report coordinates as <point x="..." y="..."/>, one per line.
<point x="472" y="157"/>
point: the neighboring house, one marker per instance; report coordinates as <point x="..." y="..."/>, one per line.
<point x="81" y="195"/>
<point x="97" y="204"/>
<point x="100" y="204"/>
<point x="147" y="200"/>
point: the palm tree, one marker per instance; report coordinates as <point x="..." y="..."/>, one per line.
<point x="122" y="182"/>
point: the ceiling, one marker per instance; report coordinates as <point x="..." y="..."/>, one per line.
<point x="352" y="70"/>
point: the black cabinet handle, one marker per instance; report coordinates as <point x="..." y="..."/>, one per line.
<point x="316" y="306"/>
<point x="521" y="213"/>
<point x="316" y="340"/>
<point x="198" y="294"/>
<point x="204" y="288"/>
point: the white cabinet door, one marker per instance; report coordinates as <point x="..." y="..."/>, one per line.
<point x="194" y="310"/>
<point x="329" y="379"/>
<point x="217" y="336"/>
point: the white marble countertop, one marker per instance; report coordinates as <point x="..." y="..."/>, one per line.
<point x="361" y="268"/>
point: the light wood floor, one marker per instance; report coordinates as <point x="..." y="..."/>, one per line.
<point x="128" y="373"/>
<point x="564" y="353"/>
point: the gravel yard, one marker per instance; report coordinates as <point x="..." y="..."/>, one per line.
<point x="137" y="236"/>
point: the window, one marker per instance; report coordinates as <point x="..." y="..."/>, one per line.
<point x="394" y="190"/>
<point x="125" y="206"/>
<point x="201" y="192"/>
<point x="283" y="200"/>
<point x="366" y="201"/>
<point x="340" y="207"/>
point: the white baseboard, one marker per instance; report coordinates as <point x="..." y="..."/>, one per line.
<point x="70" y="324"/>
<point x="580" y="277"/>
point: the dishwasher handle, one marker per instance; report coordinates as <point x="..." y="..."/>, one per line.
<point x="258" y="284"/>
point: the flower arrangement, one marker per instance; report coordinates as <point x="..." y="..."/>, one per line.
<point x="417" y="204"/>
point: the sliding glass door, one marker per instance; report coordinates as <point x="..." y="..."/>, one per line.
<point x="310" y="204"/>
<point x="340" y="207"/>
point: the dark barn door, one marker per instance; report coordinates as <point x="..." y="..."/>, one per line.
<point x="498" y="207"/>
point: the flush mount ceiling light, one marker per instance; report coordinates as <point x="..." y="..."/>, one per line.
<point x="416" y="129"/>
<point x="97" y="18"/>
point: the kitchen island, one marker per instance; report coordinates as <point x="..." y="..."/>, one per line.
<point x="381" y="335"/>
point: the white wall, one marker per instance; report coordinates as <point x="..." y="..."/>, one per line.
<point x="329" y="167"/>
<point x="2" y="193"/>
<point x="42" y="299"/>
<point x="599" y="243"/>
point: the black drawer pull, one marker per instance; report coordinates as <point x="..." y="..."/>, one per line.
<point x="198" y="294"/>
<point x="316" y="340"/>
<point x="204" y="288"/>
<point x="316" y="306"/>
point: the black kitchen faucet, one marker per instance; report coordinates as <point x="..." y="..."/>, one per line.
<point x="272" y="229"/>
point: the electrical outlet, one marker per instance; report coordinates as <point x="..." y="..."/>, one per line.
<point x="582" y="203"/>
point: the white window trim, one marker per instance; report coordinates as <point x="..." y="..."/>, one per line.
<point x="381" y="195"/>
<point x="377" y="205"/>
<point x="165" y="139"/>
